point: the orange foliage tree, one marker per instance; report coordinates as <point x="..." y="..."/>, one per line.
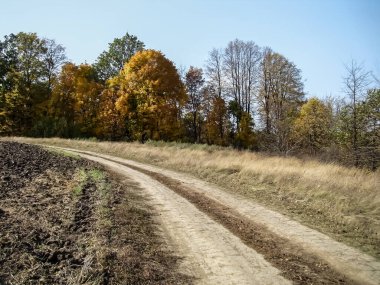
<point x="150" y="97"/>
<point x="75" y="100"/>
<point x="111" y="122"/>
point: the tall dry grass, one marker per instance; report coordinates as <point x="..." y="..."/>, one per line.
<point x="340" y="201"/>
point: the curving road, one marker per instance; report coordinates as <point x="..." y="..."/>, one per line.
<point x="215" y="252"/>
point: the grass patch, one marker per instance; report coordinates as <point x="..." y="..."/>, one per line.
<point x="84" y="176"/>
<point x="81" y="178"/>
<point x="63" y="153"/>
<point x="96" y="174"/>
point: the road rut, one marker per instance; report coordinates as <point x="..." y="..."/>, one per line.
<point x="211" y="253"/>
<point x="229" y="258"/>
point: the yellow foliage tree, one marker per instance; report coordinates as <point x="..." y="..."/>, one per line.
<point x="75" y="99"/>
<point x="151" y="95"/>
<point x="111" y="122"/>
<point x="245" y="138"/>
<point x="312" y="128"/>
<point x="216" y="122"/>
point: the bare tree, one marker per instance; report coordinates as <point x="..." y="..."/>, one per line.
<point x="214" y="71"/>
<point x="241" y="67"/>
<point x="267" y="87"/>
<point x="243" y="73"/>
<point x="54" y="57"/>
<point x="355" y="85"/>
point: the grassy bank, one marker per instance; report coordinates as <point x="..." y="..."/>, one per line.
<point x="339" y="201"/>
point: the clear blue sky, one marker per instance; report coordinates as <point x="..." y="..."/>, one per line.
<point x="319" y="36"/>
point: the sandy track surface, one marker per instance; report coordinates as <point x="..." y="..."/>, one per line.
<point x="213" y="253"/>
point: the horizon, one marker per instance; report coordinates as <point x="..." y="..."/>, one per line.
<point x="320" y="37"/>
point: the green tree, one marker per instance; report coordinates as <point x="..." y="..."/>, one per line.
<point x="8" y="61"/>
<point x="151" y="95"/>
<point x="355" y="86"/>
<point x="111" y="61"/>
<point x="28" y="65"/>
<point x="367" y="137"/>
<point x="370" y="126"/>
<point x="312" y="128"/>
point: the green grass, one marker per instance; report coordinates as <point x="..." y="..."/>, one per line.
<point x="81" y="177"/>
<point x="96" y="174"/>
<point x="63" y="153"/>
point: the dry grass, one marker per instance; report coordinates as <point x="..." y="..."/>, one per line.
<point x="340" y="201"/>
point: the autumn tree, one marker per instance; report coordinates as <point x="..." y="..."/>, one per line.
<point x="312" y="128"/>
<point x="194" y="83"/>
<point x="245" y="137"/>
<point x="281" y="94"/>
<point x="234" y="73"/>
<point x="216" y="124"/>
<point x="75" y="100"/>
<point x="247" y="77"/>
<point x="151" y="94"/>
<point x="111" y="123"/>
<point x="111" y="61"/>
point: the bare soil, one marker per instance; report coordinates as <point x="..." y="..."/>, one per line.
<point x="59" y="226"/>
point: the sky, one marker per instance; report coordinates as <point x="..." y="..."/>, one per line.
<point x="319" y="36"/>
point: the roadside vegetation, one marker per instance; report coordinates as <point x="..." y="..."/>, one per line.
<point x="343" y="202"/>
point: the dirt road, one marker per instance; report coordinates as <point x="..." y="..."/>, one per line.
<point x="227" y="240"/>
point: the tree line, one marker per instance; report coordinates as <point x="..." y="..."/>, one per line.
<point x="246" y="96"/>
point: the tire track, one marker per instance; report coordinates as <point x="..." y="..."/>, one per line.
<point x="212" y="254"/>
<point x="312" y="269"/>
